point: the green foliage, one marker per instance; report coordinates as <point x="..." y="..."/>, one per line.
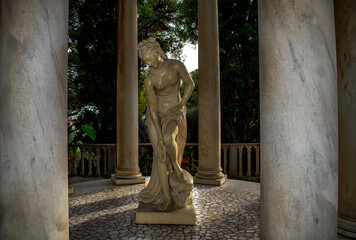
<point x="239" y="70"/>
<point x="193" y="100"/>
<point x="192" y="124"/>
<point x="93" y="57"/>
<point x="75" y="135"/>
<point x="70" y="133"/>
<point x="189" y="20"/>
<point x="239" y="78"/>
<point x="160" y="19"/>
<point x="142" y="99"/>
<point x="145" y="160"/>
<point x="192" y="110"/>
<point x="192" y="153"/>
<point x="92" y="65"/>
<point x="90" y="131"/>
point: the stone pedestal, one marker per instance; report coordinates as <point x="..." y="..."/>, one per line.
<point x="209" y="96"/>
<point x="33" y="114"/>
<point x="149" y="214"/>
<point x="299" y="125"/>
<point x="127" y="96"/>
<point x="345" y="22"/>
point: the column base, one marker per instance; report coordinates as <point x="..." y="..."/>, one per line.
<point x="128" y="173"/>
<point x="346" y="227"/>
<point x="127" y="181"/>
<point x="215" y="182"/>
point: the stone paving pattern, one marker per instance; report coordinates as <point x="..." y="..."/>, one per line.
<point x="110" y="214"/>
<point x="100" y="210"/>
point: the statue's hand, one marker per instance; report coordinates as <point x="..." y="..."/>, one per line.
<point x="180" y="105"/>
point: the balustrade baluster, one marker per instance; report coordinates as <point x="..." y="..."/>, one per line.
<point x="225" y="148"/>
<point x="82" y="172"/>
<point x="257" y="161"/>
<point x="249" y="160"/>
<point x="97" y="161"/>
<point x="90" y="150"/>
<point x="105" y="150"/>
<point x="240" y="161"/>
<point x="233" y="161"/>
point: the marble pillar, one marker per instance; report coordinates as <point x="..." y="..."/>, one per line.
<point x="209" y="170"/>
<point x="345" y="22"/>
<point x="127" y="170"/>
<point x="299" y="124"/>
<point x="33" y="126"/>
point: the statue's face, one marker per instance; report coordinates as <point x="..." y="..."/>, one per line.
<point x="152" y="59"/>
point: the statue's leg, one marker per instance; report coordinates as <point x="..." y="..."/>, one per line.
<point x="150" y="193"/>
<point x="169" y="136"/>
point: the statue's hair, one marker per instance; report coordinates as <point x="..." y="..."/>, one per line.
<point x="148" y="45"/>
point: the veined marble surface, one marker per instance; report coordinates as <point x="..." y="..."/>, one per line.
<point x="299" y="125"/>
<point x="33" y="114"/>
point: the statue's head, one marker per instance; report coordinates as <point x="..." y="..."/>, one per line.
<point x="150" y="52"/>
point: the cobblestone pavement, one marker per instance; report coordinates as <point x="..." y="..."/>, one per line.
<point x="222" y="213"/>
<point x="101" y="210"/>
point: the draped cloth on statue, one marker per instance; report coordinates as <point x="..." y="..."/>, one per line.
<point x="180" y="181"/>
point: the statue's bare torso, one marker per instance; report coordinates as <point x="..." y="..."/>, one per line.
<point x="166" y="82"/>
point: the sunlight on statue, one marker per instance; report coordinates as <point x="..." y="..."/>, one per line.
<point x="167" y="127"/>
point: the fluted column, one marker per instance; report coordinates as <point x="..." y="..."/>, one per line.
<point x="33" y="119"/>
<point x="209" y="170"/>
<point x="345" y="22"/>
<point x="127" y="170"/>
<point x="299" y="125"/>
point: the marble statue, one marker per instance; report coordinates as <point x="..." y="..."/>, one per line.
<point x="167" y="127"/>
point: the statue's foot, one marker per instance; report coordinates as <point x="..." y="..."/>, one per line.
<point x="163" y="206"/>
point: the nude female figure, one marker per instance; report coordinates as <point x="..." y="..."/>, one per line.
<point x="167" y="127"/>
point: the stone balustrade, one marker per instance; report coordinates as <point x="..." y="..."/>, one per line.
<point x="92" y="155"/>
<point x="239" y="160"/>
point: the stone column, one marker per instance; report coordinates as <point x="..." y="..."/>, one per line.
<point x="33" y="114"/>
<point x="299" y="125"/>
<point x="127" y="170"/>
<point x="209" y="170"/>
<point x="345" y="22"/>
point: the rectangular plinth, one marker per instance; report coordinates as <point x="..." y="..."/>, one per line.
<point x="127" y="181"/>
<point x="216" y="182"/>
<point x="149" y="214"/>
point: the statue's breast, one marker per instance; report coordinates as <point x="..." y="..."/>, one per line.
<point x="164" y="79"/>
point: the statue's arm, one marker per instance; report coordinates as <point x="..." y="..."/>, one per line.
<point x="152" y="102"/>
<point x="188" y="81"/>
